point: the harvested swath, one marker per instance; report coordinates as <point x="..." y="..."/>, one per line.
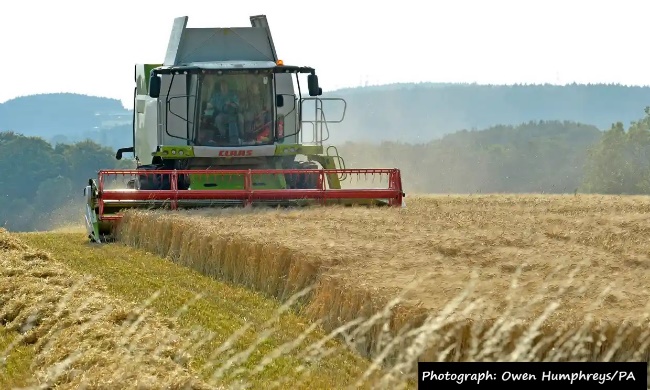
<point x="558" y="277"/>
<point x="82" y="336"/>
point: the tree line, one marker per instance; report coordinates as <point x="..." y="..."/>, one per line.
<point x="38" y="179"/>
<point x="533" y="157"/>
<point x="41" y="183"/>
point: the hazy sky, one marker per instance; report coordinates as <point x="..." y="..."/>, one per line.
<point x="73" y="46"/>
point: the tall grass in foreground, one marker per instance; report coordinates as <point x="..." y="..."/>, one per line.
<point x="81" y="336"/>
<point x="392" y="332"/>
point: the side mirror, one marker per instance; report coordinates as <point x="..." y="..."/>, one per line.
<point x="118" y="155"/>
<point x="312" y="84"/>
<point x="154" y="85"/>
<point x="279" y="100"/>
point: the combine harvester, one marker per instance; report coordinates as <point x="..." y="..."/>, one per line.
<point x="220" y="124"/>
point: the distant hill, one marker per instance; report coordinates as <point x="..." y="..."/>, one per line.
<point x="67" y="117"/>
<point x="64" y="113"/>
<point x="414" y="113"/>
<point x="421" y="112"/>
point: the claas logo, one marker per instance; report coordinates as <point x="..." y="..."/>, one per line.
<point x="235" y="153"/>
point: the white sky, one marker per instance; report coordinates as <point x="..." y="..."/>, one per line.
<point x="73" y="46"/>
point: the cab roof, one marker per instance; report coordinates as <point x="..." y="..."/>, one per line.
<point x="226" y="66"/>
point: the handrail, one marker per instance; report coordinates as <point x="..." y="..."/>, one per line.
<point x="320" y="121"/>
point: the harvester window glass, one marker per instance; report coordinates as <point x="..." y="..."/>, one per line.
<point x="236" y="109"/>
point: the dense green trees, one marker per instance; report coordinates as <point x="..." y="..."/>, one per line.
<point x="37" y="178"/>
<point x="620" y="162"/>
<point x="543" y="156"/>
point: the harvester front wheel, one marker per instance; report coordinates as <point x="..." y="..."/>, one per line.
<point x="303" y="181"/>
<point x="159" y="182"/>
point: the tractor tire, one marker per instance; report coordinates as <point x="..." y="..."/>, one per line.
<point x="152" y="182"/>
<point x="302" y="181"/>
<point x="159" y="182"/>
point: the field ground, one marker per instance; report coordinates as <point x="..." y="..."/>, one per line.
<point x="134" y="276"/>
<point x="492" y="277"/>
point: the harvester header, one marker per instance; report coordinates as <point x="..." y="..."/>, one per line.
<point x="223" y="122"/>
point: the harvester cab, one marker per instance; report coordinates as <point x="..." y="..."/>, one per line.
<point x="223" y="122"/>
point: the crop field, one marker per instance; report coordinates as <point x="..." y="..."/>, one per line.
<point x="494" y="277"/>
<point x="488" y="277"/>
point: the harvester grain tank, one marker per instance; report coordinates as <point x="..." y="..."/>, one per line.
<point x="223" y="122"/>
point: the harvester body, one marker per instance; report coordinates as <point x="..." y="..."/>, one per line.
<point x="221" y="122"/>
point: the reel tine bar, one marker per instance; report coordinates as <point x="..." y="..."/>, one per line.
<point x="247" y="195"/>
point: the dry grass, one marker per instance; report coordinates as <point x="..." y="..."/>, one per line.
<point x="237" y="337"/>
<point x="556" y="277"/>
<point x="15" y="362"/>
<point x="76" y="335"/>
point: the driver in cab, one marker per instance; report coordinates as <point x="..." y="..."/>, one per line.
<point x="223" y="100"/>
<point x="222" y="108"/>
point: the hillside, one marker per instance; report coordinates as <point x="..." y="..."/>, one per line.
<point x="67" y="117"/>
<point x="417" y="113"/>
<point x="414" y="113"/>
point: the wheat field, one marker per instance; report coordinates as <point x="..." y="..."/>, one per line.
<point x="449" y="278"/>
<point x="493" y="277"/>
